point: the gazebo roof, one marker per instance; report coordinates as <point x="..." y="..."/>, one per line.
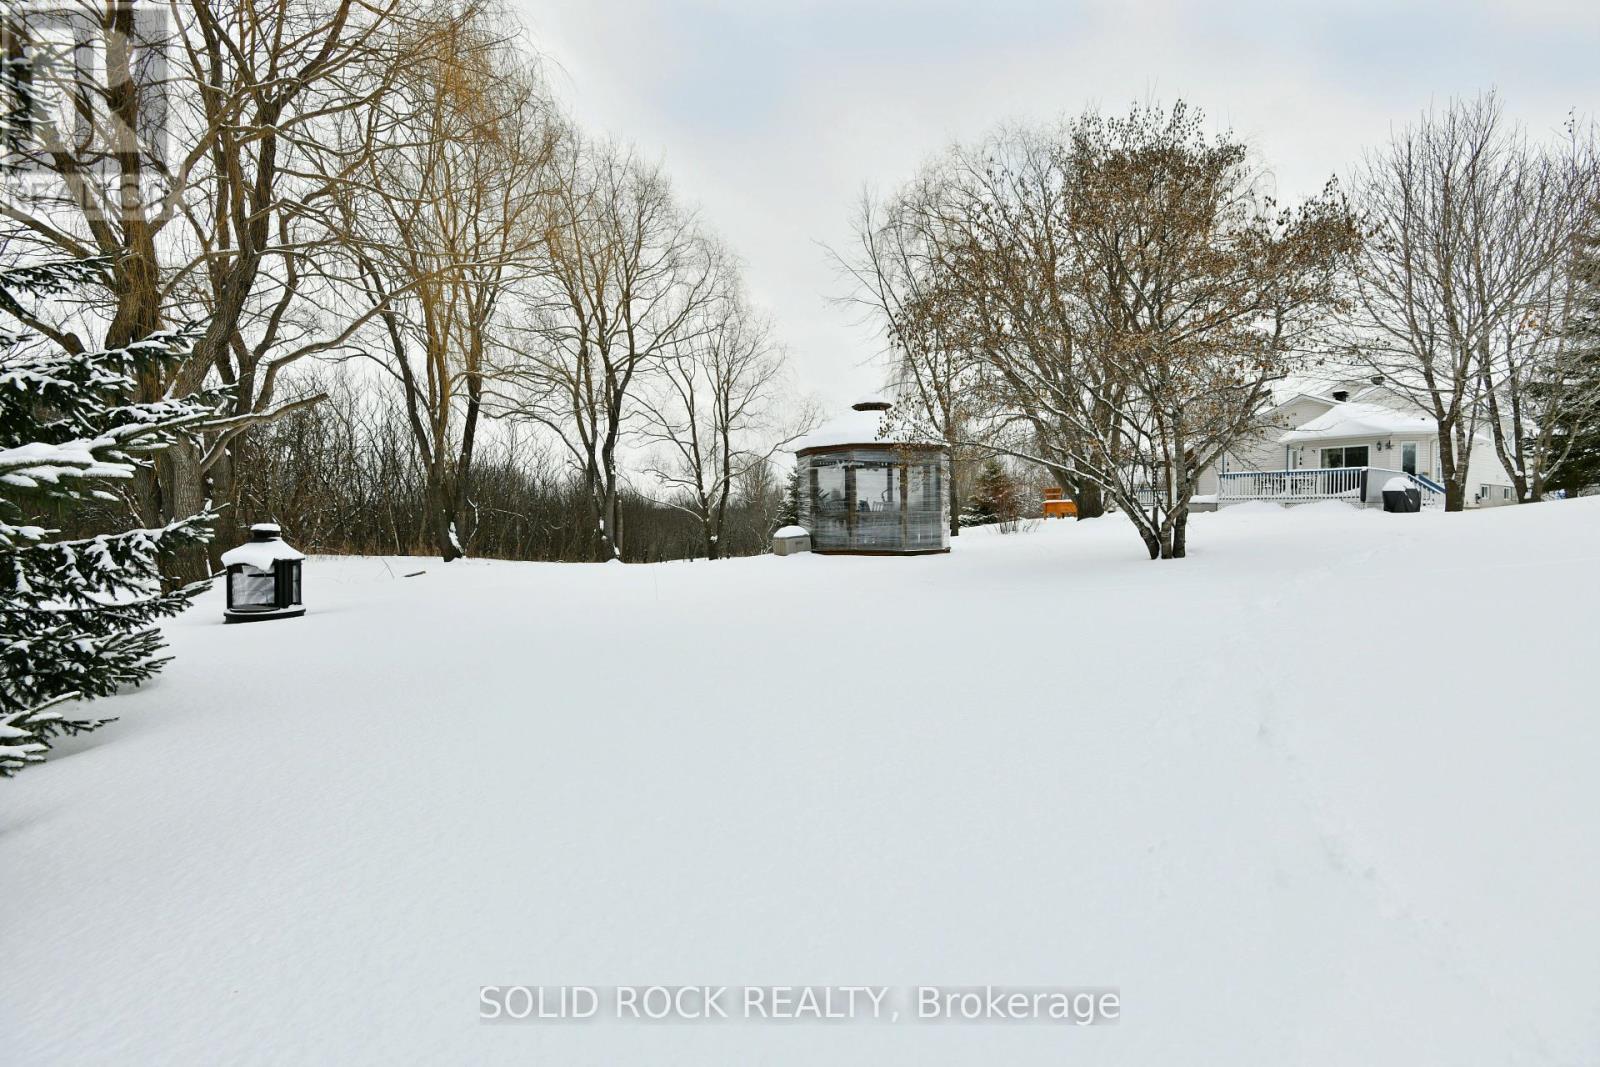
<point x="863" y="424"/>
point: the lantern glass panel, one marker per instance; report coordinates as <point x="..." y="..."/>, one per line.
<point x="252" y="588"/>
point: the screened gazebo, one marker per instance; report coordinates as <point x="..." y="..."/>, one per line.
<point x="862" y="492"/>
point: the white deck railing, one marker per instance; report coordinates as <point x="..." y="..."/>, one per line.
<point x="1292" y="487"/>
<point x="1357" y="485"/>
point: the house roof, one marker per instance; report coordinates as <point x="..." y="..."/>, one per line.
<point x="1283" y="400"/>
<point x="1356" y="419"/>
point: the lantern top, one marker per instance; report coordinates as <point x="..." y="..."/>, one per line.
<point x="265" y="547"/>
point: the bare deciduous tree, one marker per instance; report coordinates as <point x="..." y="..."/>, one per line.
<point x="231" y="87"/>
<point x="1462" y="281"/>
<point x="1131" y="296"/>
<point x="712" y="416"/>
<point x="447" y="218"/>
<point x="1531" y="372"/>
<point x="895" y="268"/>
<point x="628" y="283"/>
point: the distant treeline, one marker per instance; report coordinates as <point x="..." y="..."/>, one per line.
<point x="343" y="477"/>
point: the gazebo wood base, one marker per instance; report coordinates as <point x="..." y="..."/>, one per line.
<point x="880" y="551"/>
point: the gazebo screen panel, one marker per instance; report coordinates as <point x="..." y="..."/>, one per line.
<point x="876" y="500"/>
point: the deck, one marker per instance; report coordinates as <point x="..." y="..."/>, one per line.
<point x="1354" y="485"/>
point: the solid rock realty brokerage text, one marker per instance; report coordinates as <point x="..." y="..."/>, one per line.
<point x="798" y="1004"/>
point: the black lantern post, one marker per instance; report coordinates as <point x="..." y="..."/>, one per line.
<point x="263" y="577"/>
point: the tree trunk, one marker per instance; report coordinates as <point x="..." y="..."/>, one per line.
<point x="1088" y="497"/>
<point x="441" y="511"/>
<point x="955" y="499"/>
<point x="224" y="487"/>
<point x="1180" y="534"/>
<point x="1455" y="478"/>
<point x="610" y="535"/>
<point x="147" y="497"/>
<point x="461" y="483"/>
<point x="183" y="494"/>
<point x="616" y="525"/>
<point x="1510" y="453"/>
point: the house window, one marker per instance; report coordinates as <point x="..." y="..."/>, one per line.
<point x="1348" y="456"/>
<point x="1408" y="457"/>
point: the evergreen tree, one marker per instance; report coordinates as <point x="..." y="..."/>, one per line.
<point x="789" y="513"/>
<point x="1582" y="466"/>
<point x="77" y="615"/>
<point x="995" y="497"/>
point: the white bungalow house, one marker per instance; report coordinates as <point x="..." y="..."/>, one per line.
<point x="1346" y="443"/>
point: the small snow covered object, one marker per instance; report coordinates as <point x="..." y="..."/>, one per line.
<point x="1401" y="496"/>
<point x="791" y="539"/>
<point x="263" y="577"/>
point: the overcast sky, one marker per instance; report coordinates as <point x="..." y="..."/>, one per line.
<point x="772" y="117"/>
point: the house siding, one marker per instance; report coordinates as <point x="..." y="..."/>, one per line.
<point x="1385" y="452"/>
<point x="1485" y="471"/>
<point x="1261" y="451"/>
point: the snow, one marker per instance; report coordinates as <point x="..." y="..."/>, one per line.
<point x="261" y="554"/>
<point x="1289" y="820"/>
<point x="792" y="531"/>
<point x="1356" y="419"/>
<point x="1253" y="507"/>
<point x="1397" y="485"/>
<point x="851" y="428"/>
<point x="27" y="466"/>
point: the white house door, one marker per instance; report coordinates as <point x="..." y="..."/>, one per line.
<point x="1408" y="457"/>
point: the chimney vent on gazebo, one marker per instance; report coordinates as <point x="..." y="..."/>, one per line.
<point x="872" y="402"/>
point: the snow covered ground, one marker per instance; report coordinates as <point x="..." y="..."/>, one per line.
<point x="1324" y="793"/>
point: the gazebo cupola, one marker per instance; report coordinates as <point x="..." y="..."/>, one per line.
<point x="863" y="491"/>
<point x="872" y="402"/>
